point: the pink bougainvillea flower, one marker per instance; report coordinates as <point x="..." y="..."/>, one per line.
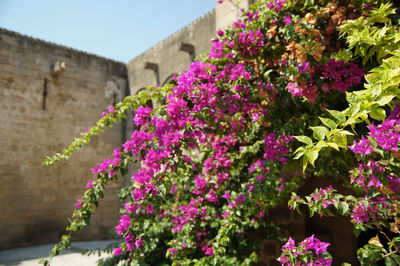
<point x="240" y="198"/>
<point x="303" y="67"/>
<point x="320" y="247"/>
<point x="209" y="252"/>
<point x="139" y="242"/>
<point x="117" y="251"/>
<point x="111" y="109"/>
<point x="290" y="244"/>
<point x="288" y="20"/>
<point x="363" y="146"/>
<point x="89" y="184"/>
<point x="294" y="89"/>
<point x="78" y="204"/>
<point x="130" y="246"/>
<point x="325" y="88"/>
<point x="142" y="115"/>
<point x="212" y="196"/>
<point x="226" y="196"/>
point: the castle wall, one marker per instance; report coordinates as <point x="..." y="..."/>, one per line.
<point x="230" y="11"/>
<point x="36" y="201"/>
<point x="171" y="55"/>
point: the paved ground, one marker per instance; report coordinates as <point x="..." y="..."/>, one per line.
<point x="30" y="256"/>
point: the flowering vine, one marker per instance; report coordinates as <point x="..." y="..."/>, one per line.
<point x="223" y="149"/>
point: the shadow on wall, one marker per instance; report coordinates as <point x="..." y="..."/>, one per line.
<point x="334" y="230"/>
<point x="171" y="79"/>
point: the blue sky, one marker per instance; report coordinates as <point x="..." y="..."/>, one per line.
<point x="116" y="29"/>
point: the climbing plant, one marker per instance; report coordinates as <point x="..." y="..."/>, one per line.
<point x="292" y="90"/>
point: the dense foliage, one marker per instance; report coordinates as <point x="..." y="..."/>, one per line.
<point x="294" y="89"/>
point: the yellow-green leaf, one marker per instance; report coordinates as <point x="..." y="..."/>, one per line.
<point x="340" y="139"/>
<point x="304" y="139"/>
<point x="378" y="114"/>
<point x="333" y="145"/>
<point x="328" y="122"/>
<point x="319" y="132"/>
<point x="338" y="115"/>
<point x="311" y="155"/>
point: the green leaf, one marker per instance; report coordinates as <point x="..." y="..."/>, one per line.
<point x="354" y="109"/>
<point x="146" y="224"/>
<point x="319" y="132"/>
<point x="312" y="211"/>
<point x="338" y="115"/>
<point x="305" y="163"/>
<point x="162" y="189"/>
<point x="333" y="145"/>
<point x="385" y="99"/>
<point x="340" y="139"/>
<point x="344" y="54"/>
<point x="353" y="98"/>
<point x="343" y="207"/>
<point x="346" y="133"/>
<point x="311" y="155"/>
<point x="328" y="122"/>
<point x="390" y="262"/>
<point x="378" y="114"/>
<point x="299" y="152"/>
<point x="321" y="144"/>
<point x="304" y="139"/>
<point x="396" y="258"/>
<point x="266" y="74"/>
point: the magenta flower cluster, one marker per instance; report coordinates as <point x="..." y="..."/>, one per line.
<point x="374" y="176"/>
<point x="336" y="75"/>
<point x="363" y="146"/>
<point x="371" y="176"/>
<point x="159" y="139"/>
<point x="310" y="249"/>
<point x="342" y="75"/>
<point x="386" y="135"/>
<point x="276" y="5"/>
<point x="323" y="196"/>
<point x="276" y="148"/>
<point x="365" y="175"/>
<point x="247" y="42"/>
<point x="361" y="213"/>
<point x="107" y="166"/>
<point x="110" y="110"/>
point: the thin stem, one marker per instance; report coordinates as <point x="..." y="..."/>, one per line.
<point x="389" y="254"/>
<point x="130" y="259"/>
<point x="385" y="236"/>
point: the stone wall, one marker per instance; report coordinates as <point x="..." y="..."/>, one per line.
<point x="229" y="11"/>
<point x="42" y="109"/>
<point x="172" y="55"/>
